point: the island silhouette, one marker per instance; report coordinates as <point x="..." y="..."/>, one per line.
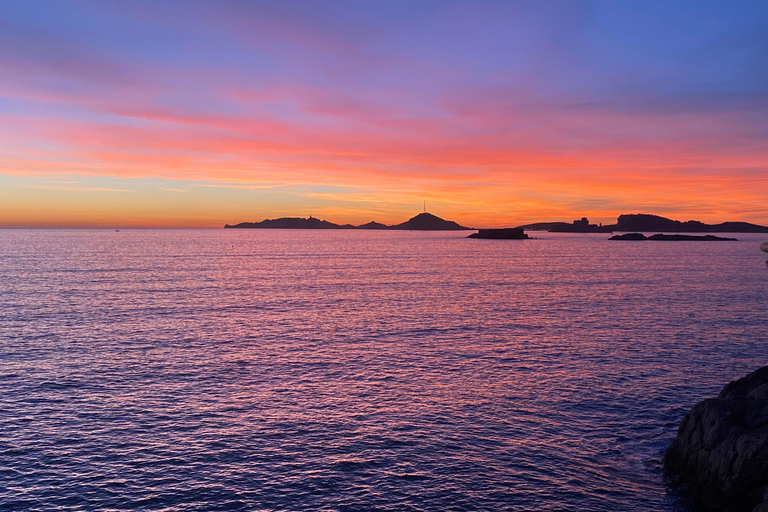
<point x="645" y="222"/>
<point x="637" y="222"/>
<point x="501" y="234"/>
<point x="421" y="222"/>
<point x="577" y="226"/>
<point x="672" y="238"/>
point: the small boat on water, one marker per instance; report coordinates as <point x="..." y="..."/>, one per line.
<point x="764" y="248"/>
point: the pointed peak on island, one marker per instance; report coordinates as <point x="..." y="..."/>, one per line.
<point x="428" y="222"/>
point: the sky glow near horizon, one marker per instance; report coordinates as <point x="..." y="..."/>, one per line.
<point x="200" y="113"/>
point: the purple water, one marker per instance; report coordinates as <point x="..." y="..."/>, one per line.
<point x="360" y="370"/>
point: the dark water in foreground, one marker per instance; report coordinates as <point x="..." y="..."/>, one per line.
<point x="295" y="370"/>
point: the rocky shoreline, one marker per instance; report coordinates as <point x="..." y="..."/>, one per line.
<point x="719" y="459"/>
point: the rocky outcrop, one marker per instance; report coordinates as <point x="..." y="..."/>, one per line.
<point x="501" y="234"/>
<point x="646" y="222"/>
<point x="719" y="458"/>
<point x="577" y="226"/>
<point x="629" y="236"/>
<point x="673" y="238"/>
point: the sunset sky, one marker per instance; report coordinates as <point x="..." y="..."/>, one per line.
<point x="496" y="113"/>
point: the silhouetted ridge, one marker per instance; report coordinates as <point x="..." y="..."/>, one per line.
<point x="373" y="225"/>
<point x="291" y="223"/>
<point x="640" y="222"/>
<point x="646" y="222"/>
<point x="423" y="221"/>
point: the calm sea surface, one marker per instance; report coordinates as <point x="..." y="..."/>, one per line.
<point x="335" y="370"/>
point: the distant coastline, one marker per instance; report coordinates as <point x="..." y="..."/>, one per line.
<point x="639" y="222"/>
<point x="421" y="222"/>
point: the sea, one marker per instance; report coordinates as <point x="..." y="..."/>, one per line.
<point x="293" y="370"/>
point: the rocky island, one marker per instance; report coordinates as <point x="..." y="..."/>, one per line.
<point x="645" y="222"/>
<point x="577" y="226"/>
<point x="292" y="223"/>
<point x="719" y="458"/>
<point x="673" y="238"/>
<point x="421" y="222"/>
<point x="500" y="234"/>
<point x="428" y="222"/>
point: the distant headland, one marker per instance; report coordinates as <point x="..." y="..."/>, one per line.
<point x="421" y="222"/>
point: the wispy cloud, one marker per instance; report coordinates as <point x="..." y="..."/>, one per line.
<point x="74" y="189"/>
<point x="245" y="186"/>
<point x="495" y="106"/>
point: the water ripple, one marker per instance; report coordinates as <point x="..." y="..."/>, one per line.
<point x="272" y="370"/>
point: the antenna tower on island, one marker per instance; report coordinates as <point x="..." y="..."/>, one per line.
<point x="425" y="206"/>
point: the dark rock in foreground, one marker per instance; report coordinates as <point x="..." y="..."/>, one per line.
<point x="501" y="234"/>
<point x="673" y="238"/>
<point x="720" y="455"/>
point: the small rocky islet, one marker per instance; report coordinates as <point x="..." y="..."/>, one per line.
<point x="672" y="238"/>
<point x="501" y="234"/>
<point x="719" y="458"/>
